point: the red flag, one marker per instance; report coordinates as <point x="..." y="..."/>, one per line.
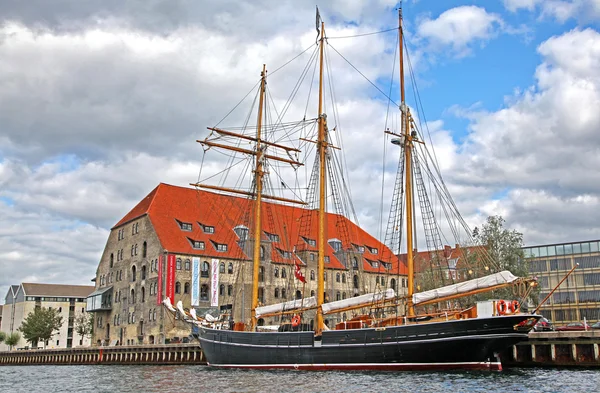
<point x="299" y="274"/>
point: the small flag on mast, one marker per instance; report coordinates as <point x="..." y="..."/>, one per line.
<point x="318" y="23"/>
<point x="298" y="273"/>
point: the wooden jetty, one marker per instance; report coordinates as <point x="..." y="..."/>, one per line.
<point x="555" y="349"/>
<point x="141" y="354"/>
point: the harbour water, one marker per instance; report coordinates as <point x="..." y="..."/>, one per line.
<point x="167" y="379"/>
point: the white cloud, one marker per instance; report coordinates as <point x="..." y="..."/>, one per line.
<point x="561" y="10"/>
<point x="515" y="5"/>
<point x="460" y="27"/>
<point x="544" y="145"/>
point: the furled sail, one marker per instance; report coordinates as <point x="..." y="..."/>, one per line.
<point x="358" y="301"/>
<point x="504" y="277"/>
<point x="291" y="305"/>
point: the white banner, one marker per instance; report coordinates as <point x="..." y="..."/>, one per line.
<point x="195" y="281"/>
<point x="214" y="284"/>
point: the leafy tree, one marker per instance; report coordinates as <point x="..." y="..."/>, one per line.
<point x="12" y="339"/>
<point x="2" y="337"/>
<point x="84" y="325"/>
<point x="41" y="324"/>
<point x="504" y="248"/>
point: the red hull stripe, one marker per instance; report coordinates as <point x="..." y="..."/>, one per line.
<point x="492" y="366"/>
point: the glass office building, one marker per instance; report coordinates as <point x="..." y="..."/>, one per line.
<point x="578" y="297"/>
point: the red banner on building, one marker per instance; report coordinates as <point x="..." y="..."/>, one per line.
<point x="170" y="287"/>
<point x="160" y="281"/>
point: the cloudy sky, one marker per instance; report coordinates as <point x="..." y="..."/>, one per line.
<point x="102" y="100"/>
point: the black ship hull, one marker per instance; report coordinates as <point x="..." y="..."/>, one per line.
<point x="459" y="344"/>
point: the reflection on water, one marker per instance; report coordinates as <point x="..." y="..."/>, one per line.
<point x="166" y="379"/>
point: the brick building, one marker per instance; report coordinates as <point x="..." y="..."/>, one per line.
<point x="196" y="246"/>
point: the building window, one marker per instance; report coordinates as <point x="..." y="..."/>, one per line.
<point x="111" y="260"/>
<point x="283" y="293"/>
<point x="178" y="264"/>
<point x="337" y="278"/>
<point x="144" y="249"/>
<point x="312" y="275"/>
<point x="187" y="264"/>
<point x="177" y="287"/>
<point x="324" y="276"/>
<point x="205" y="269"/>
<point x="262" y="253"/>
<point x="343" y="295"/>
<point x="355" y="263"/>
<point x="229" y="290"/>
<point x="393" y="284"/>
<point x="143" y="274"/>
<point x="338" y="296"/>
<point x="343" y="278"/>
<point x="196" y="244"/>
<point x="261" y="295"/>
<point x="133" y="273"/>
<point x="220" y="247"/>
<point x="186" y="287"/>
<point x="230" y="268"/>
<point x="283" y="273"/>
<point x="185" y="226"/>
<point x="221" y="289"/>
<point x="336" y="244"/>
<point x="261" y="273"/>
<point x="276" y="272"/>
<point x="222" y="267"/>
<point x="143" y="294"/>
<point x="377" y="280"/>
<point x="132" y="299"/>
<point x="272" y="237"/>
<point x="208" y="229"/>
<point x="132" y="248"/>
<point x="276" y="294"/>
<point x="327" y="259"/>
<point x="204" y="292"/>
<point x="310" y="242"/>
<point x="241" y="231"/>
<point x="355" y="281"/>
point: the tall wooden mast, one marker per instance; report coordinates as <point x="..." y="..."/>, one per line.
<point x="259" y="153"/>
<point x="408" y="146"/>
<point x="322" y="147"/>
<point x="258" y="180"/>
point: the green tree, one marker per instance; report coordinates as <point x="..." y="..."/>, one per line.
<point x="84" y="325"/>
<point x="505" y="249"/>
<point x="12" y="339"/>
<point x="41" y="324"/>
<point x="2" y="337"/>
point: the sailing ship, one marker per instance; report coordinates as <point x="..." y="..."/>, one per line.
<point x="419" y="339"/>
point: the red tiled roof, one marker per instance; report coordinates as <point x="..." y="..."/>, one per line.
<point x="167" y="204"/>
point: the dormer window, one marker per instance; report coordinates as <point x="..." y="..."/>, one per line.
<point x="185" y="226"/>
<point x="359" y="248"/>
<point x="220" y="246"/>
<point x="241" y="231"/>
<point x="272" y="237"/>
<point x="327" y="259"/>
<point x="196" y="244"/>
<point x="336" y="244"/>
<point x="372" y="250"/>
<point x="386" y="265"/>
<point x="285" y="254"/>
<point x="310" y="242"/>
<point x="374" y="264"/>
<point x="208" y="229"/>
